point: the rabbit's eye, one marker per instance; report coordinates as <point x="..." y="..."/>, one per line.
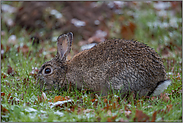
<point x="47" y="70"/>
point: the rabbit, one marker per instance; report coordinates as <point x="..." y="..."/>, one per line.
<point x="119" y="65"/>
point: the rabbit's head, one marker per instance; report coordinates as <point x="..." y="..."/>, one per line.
<point x="52" y="73"/>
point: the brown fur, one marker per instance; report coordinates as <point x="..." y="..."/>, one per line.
<point x="117" y="64"/>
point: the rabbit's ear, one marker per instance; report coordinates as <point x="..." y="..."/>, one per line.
<point x="64" y="43"/>
<point x="70" y="35"/>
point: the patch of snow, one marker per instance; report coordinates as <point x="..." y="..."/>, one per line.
<point x="87" y="115"/>
<point x="121" y="4"/>
<point x="149" y="106"/>
<point x="96" y="4"/>
<point x="54" y="39"/>
<point x="162" y="5"/>
<point x="173" y="22"/>
<point x="32" y="115"/>
<point x="78" y="23"/>
<point x="116" y="96"/>
<point x="59" y="113"/>
<point x="12" y="39"/>
<point x="158" y="24"/>
<point x="129" y="105"/>
<point x="169" y="73"/>
<point x="97" y="22"/>
<point x="29" y="109"/>
<point x="2" y="51"/>
<point x="100" y="33"/>
<point x="8" y="8"/>
<point x="59" y="103"/>
<point x="42" y="111"/>
<point x="162" y="13"/>
<point x="56" y="13"/>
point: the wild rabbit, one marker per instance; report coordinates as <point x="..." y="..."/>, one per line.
<point x="120" y="65"/>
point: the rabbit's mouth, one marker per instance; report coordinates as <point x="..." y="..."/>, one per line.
<point x="50" y="87"/>
<point x="46" y="85"/>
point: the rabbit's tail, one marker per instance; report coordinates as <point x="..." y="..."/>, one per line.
<point x="161" y="86"/>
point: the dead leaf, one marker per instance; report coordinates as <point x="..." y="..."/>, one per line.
<point x="106" y="101"/>
<point x="8" y="96"/>
<point x="2" y="94"/>
<point x="93" y="100"/>
<point x="128" y="31"/>
<point x="3" y="75"/>
<point x="11" y="71"/>
<point x="140" y="116"/>
<point x="154" y="116"/>
<point x="109" y="119"/>
<point x="112" y="118"/>
<point x="57" y="98"/>
<point x="4" y="110"/>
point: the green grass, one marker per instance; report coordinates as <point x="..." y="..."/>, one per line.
<point x="168" y="108"/>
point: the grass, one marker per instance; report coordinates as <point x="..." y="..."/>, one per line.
<point x="22" y="85"/>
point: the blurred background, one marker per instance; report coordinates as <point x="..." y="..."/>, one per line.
<point x="38" y="24"/>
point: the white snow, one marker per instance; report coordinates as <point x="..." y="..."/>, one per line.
<point x="29" y="109"/>
<point x="162" y="5"/>
<point x="59" y="103"/>
<point x="78" y="23"/>
<point x="59" y="113"/>
<point x="56" y="13"/>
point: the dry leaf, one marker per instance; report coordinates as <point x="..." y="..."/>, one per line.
<point x="11" y="71"/>
<point x="140" y="116"/>
<point x="111" y="119"/>
<point x="3" y="75"/>
<point x="128" y="31"/>
<point x="154" y="116"/>
<point x="58" y="98"/>
<point x="4" y="110"/>
<point x="2" y="94"/>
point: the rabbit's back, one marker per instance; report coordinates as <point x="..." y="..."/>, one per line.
<point x="120" y="64"/>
